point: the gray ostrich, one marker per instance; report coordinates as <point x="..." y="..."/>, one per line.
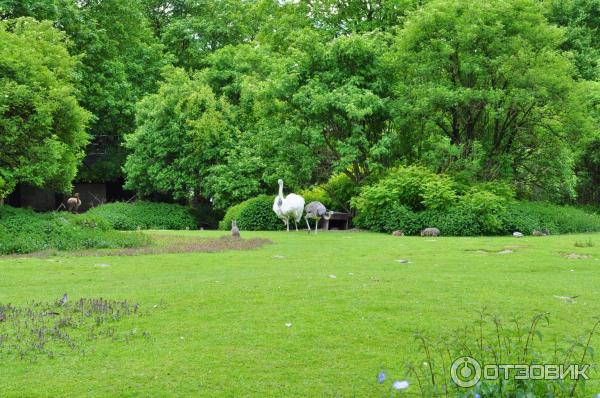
<point x="316" y="211"/>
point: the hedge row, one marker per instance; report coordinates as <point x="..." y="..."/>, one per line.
<point x="145" y="215"/>
<point x="23" y="231"/>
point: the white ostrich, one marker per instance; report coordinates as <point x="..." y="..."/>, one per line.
<point x="289" y="207"/>
<point x="316" y="211"/>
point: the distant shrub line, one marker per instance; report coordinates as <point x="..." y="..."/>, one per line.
<point x="413" y="198"/>
<point x="145" y="215"/>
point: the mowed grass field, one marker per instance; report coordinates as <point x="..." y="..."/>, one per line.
<point x="217" y="321"/>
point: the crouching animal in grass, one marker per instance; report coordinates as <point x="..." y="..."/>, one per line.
<point x="235" y="231"/>
<point x="398" y="233"/>
<point x="73" y="203"/>
<point x="430" y="232"/>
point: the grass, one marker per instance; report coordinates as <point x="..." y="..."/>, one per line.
<point x="217" y="321"/>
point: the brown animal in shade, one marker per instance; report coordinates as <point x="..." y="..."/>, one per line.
<point x="235" y="231"/>
<point x="73" y="203"/>
<point x="430" y="232"/>
<point x="398" y="233"/>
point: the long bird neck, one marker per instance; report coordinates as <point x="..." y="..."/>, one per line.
<point x="281" y="190"/>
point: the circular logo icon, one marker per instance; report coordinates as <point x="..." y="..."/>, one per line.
<point x="465" y="372"/>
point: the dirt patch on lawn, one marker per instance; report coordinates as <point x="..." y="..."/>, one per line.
<point x="179" y="244"/>
<point x="575" y="256"/>
<point x="163" y="244"/>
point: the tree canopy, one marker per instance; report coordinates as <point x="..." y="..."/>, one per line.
<point x="42" y="125"/>
<point x="219" y="99"/>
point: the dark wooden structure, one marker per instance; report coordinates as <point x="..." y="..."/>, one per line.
<point x="336" y="221"/>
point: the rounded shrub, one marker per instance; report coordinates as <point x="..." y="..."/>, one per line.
<point x="254" y="214"/>
<point x="414" y="187"/>
<point x="233" y="213"/>
<point x="145" y="215"/>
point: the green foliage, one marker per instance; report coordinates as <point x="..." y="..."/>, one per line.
<point x="254" y="214"/>
<point x="42" y="126"/>
<point x="23" y="231"/>
<point x="341" y="189"/>
<point x="145" y="215"/>
<point x="414" y="187"/>
<point x="120" y="62"/>
<point x="318" y="194"/>
<point x="529" y="216"/>
<point x="233" y="213"/>
<point x="487" y="207"/>
<point x="490" y="340"/>
<point x="182" y="131"/>
<point x="397" y="202"/>
<point x="588" y="187"/>
<point x="202" y="27"/>
<point x="490" y="77"/>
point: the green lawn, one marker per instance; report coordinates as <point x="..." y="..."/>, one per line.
<point x="221" y="328"/>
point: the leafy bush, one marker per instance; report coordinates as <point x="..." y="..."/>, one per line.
<point x="318" y="194"/>
<point x="529" y="216"/>
<point x="23" y="231"/>
<point x="393" y="216"/>
<point x="487" y="207"/>
<point x="414" y="187"/>
<point x="411" y="199"/>
<point x="233" y="213"/>
<point x="340" y="189"/>
<point x="254" y="214"/>
<point x="454" y="222"/>
<point x="145" y="215"/>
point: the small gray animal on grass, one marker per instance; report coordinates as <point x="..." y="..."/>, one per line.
<point x="235" y="231"/>
<point x="430" y="232"/>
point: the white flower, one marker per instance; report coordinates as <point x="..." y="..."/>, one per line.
<point x="400" y="385"/>
<point x="288" y="324"/>
<point x="332" y="276"/>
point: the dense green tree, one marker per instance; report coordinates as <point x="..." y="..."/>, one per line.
<point x="490" y="77"/>
<point x="201" y="27"/>
<point x="318" y="107"/>
<point x="121" y="61"/>
<point x="183" y="130"/>
<point x="42" y="126"/>
<point x="581" y="19"/>
<point x="355" y="16"/>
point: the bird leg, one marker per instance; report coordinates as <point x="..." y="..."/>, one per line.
<point x="317" y="225"/>
<point x="307" y="224"/>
